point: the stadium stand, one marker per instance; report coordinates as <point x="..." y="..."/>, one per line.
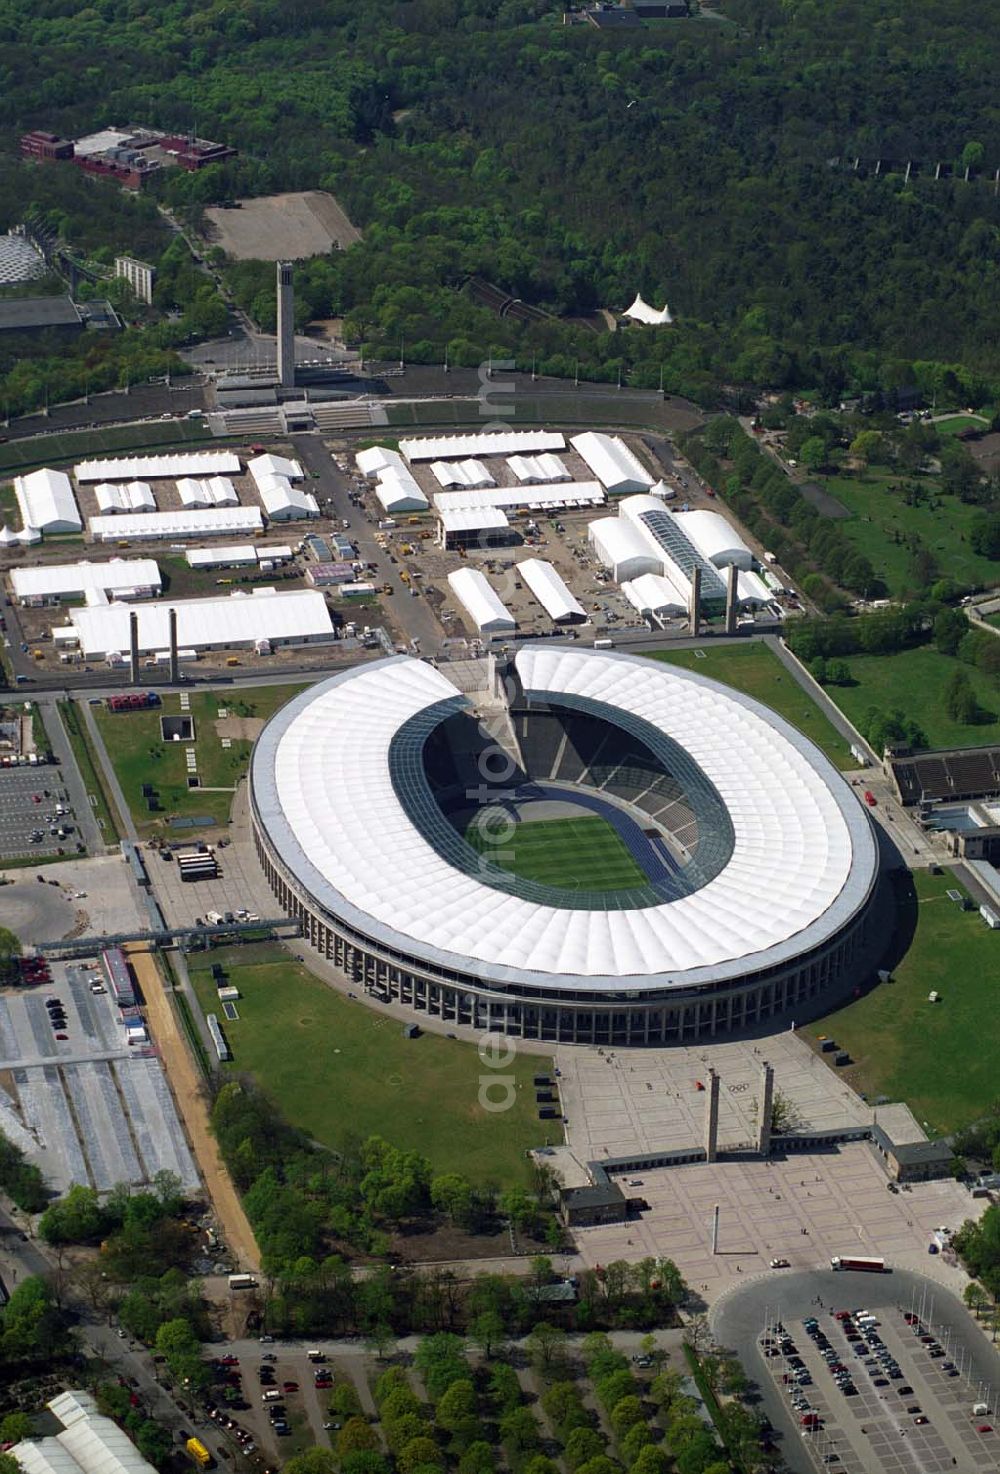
<point x="954" y="774"/>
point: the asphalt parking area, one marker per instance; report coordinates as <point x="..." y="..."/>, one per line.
<point x="29" y="821"/>
<point x="907" y="1408"/>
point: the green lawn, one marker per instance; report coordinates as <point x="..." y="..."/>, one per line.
<point x="881" y="521"/>
<point x="339" y="1069"/>
<point x="955" y="424"/>
<point x="755" y="670"/>
<point x="90" y="772"/>
<point x="574" y="854"/>
<point x="915" y="681"/>
<point x="940" y="1058"/>
<point x="139" y="756"/>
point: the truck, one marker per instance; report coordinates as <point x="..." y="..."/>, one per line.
<point x="242" y="1282"/>
<point x="871" y="1265"/>
<point x="990" y="917"/>
<point x="199" y="1453"/>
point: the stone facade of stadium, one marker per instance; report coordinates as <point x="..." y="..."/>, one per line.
<point x="806" y="987"/>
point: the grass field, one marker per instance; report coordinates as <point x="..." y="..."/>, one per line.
<point x="49" y="450"/>
<point x="755" y="670"/>
<point x="915" y="681"/>
<point x="938" y="1057"/>
<point x="574" y="854"/>
<point x="955" y="424"/>
<point x="134" y="744"/>
<point x="339" y="1069"/>
<point x="881" y="521"/>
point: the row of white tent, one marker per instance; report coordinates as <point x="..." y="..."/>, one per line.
<point x="394" y="483"/>
<point x="491" y="616"/>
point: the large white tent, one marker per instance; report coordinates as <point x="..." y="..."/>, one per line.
<point x="271" y="465"/>
<point x="486" y="443"/>
<point x="715" y="538"/>
<point x="158" y="468"/>
<point x="284" y="502"/>
<point x="481" y="602"/>
<point x="126" y="496"/>
<point x="88" y="1444"/>
<point x="209" y="522"/>
<point x="121" y="577"/>
<point x="375" y="459"/>
<point x="656" y="595"/>
<point x="538" y="469"/>
<point x="398" y="491"/>
<point x="531" y="498"/>
<point x="207" y="491"/>
<point x="751" y="589"/>
<point x="616" y="467"/>
<point x="622" y="548"/>
<point x="292" y="617"/>
<point x="640" y="311"/>
<point x="46" y="501"/>
<point x="462" y="475"/>
<point x="549" y="588"/>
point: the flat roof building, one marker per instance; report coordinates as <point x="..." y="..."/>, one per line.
<point x="481" y="602"/>
<point x="41" y="315"/>
<point x="287" y="617"/>
<point x="207" y="522"/>
<point x="46" y="501"/>
<point x="124" y="578"/>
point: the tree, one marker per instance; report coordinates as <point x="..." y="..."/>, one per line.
<point x="867" y="447"/>
<point x="15" y="1427"/>
<point x="364" y="1462"/>
<point x="452" y="1194"/>
<point x="356" y="1436"/>
<point x="153" y="1442"/>
<point x="419" y="1453"/>
<point x="456" y="1404"/>
<point x="486" y="1332"/>
<point x="624" y="1415"/>
<point x="950" y="628"/>
<point x="651" y="1460"/>
<point x="478" y="1458"/>
<point x="312" y="1461"/>
<point x="959" y="698"/>
<point x="10" y="951"/>
<point x="582" y="1445"/>
<point x="9" y="1465"/>
<point x="74" y="1219"/>
<point x="546" y="1345"/>
<point x="814" y="454"/>
<point x="984" y="535"/>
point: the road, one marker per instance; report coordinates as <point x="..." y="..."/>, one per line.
<point x="332" y="486"/>
<point x="90" y="831"/>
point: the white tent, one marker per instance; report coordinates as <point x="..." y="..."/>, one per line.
<point x="271" y="465"/>
<point x="129" y="496"/>
<point x="122" y="577"/>
<point x="481" y="601"/>
<point x="378" y="458"/>
<point x="715" y="538"/>
<point x="486" y="443"/>
<point x="622" y="548"/>
<point x="538" y="469"/>
<point x="550" y="590"/>
<point x="655" y="594"/>
<point x="289" y="617"/>
<point x="751" y="589"/>
<point x="46" y="501"/>
<point x="284" y="502"/>
<point x="468" y="474"/>
<point x="398" y="491"/>
<point x="158" y="468"/>
<point x="641" y="311"/>
<point x="614" y="465"/>
<point x="210" y="522"/>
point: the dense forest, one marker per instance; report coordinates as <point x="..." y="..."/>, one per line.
<point x="705" y="162"/>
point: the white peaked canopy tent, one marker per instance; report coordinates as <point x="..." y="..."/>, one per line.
<point x="641" y="311"/>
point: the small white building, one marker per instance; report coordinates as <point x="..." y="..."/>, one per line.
<point x="622" y="549"/>
<point x="121" y="578"/>
<point x="616" y="467"/>
<point x="272" y="465"/>
<point x="375" y="459"/>
<point x="652" y="317"/>
<point x="232" y="555"/>
<point x="468" y="475"/>
<point x="481" y="602"/>
<point x="207" y="491"/>
<point x="551" y="591"/>
<point x="752" y="590"/>
<point x="46" y="502"/>
<point x="127" y="496"/>
<point x="539" y="469"/>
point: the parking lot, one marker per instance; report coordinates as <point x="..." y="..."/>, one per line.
<point x="82" y="1104"/>
<point x="879" y="1390"/>
<point x="297" y="1392"/>
<point x="30" y="819"/>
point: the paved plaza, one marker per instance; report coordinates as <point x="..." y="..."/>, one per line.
<point x="84" y="897"/>
<point x="806" y="1209"/>
<point x="624" y="1102"/>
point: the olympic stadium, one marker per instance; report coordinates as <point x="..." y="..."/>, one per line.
<point x="571" y="845"/>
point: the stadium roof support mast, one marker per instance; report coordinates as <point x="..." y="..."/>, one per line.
<point x="286" y="325"/>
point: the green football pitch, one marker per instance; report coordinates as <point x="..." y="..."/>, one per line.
<point x="573" y="854"/>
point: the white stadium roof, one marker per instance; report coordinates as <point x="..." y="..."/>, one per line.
<point x="487" y="443"/>
<point x="208" y="522"/>
<point x="568" y="494"/>
<point x="481" y="601"/>
<point x="550" y="590"/>
<point x="46" y="501"/>
<point x="468" y="474"/>
<point x="286" y="617"/>
<point x="156" y="468"/>
<point x="715" y="538"/>
<point x="538" y="469"/>
<point x="611" y="461"/>
<point x="65" y="580"/>
<point x="800" y="864"/>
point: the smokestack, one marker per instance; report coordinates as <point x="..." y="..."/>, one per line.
<point x="286" y="326"/>
<point x="715" y="1229"/>
<point x="133" y="646"/>
<point x="694" y="603"/>
<point x="732" y="600"/>
<point x="175" y="675"/>
<point x="712" y="1117"/>
<point x="766" y="1107"/>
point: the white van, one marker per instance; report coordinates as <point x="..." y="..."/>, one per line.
<point x="273" y="1396"/>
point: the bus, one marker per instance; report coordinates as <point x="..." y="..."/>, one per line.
<point x="872" y="1266"/>
<point x="242" y="1282"/>
<point x="199" y="1453"/>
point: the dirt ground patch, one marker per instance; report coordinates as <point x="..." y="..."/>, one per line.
<point x="243" y="729"/>
<point x="281" y="227"/>
<point x="186" y="1084"/>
